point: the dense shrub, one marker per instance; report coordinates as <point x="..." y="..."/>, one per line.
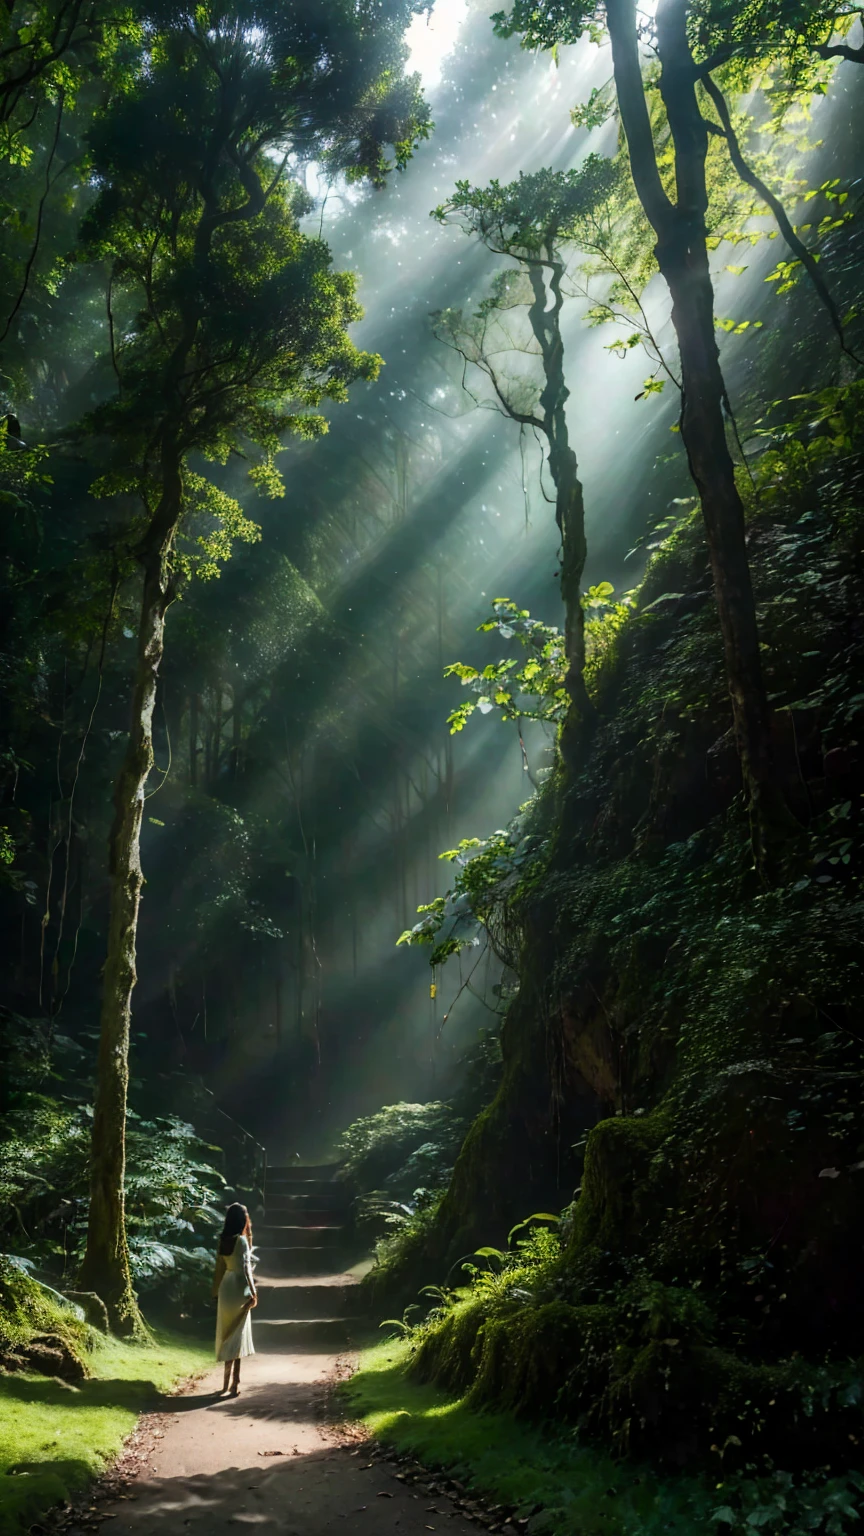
<point x="173" y="1189"/>
<point x="376" y="1149"/>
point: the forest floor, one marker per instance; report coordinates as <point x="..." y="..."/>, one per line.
<point x="314" y="1446"/>
<point x="56" y="1438"/>
<point x="514" y="1474"/>
<point x="274" y="1458"/>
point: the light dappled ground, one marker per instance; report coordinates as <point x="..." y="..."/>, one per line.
<point x="54" y="1438"/>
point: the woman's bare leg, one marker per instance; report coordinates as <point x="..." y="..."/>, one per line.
<point x="235" y="1385"/>
<point x="226" y="1376"/>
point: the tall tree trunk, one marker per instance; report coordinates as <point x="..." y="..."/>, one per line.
<point x="682" y="255"/>
<point x="545" y="322"/>
<point x="105" y="1268"/>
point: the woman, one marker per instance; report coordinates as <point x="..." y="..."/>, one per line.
<point x="234" y="1288"/>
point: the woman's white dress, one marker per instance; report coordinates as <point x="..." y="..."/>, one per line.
<point x="233" y="1316"/>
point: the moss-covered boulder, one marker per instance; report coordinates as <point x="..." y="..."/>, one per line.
<point x="38" y="1332"/>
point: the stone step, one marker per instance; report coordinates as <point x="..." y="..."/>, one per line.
<point x="296" y="1216"/>
<point x="298" y="1302"/>
<point x="299" y="1237"/>
<point x="297" y="1172"/>
<point x="279" y="1233"/>
<point x="313" y="1191"/>
<point x="285" y="1337"/>
<point x="301" y="1261"/>
<point x="325" y="1204"/>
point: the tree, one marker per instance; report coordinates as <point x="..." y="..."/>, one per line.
<point x="40" y="45"/>
<point x="532" y="221"/>
<point x="52" y="52"/>
<point x="677" y="215"/>
<point x="227" y="327"/>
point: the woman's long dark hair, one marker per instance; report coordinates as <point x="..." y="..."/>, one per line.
<point x="236" y="1221"/>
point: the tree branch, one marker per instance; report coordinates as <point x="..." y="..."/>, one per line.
<point x="37" y="235"/>
<point x="841" y="51"/>
<point x="794" y="242"/>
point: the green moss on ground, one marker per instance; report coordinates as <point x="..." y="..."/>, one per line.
<point x="55" y="1438"/>
<point x="580" y="1490"/>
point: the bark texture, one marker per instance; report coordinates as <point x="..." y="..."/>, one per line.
<point x="545" y="318"/>
<point x="105" y="1268"/>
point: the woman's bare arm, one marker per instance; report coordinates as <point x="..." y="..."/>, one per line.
<point x="249" y="1275"/>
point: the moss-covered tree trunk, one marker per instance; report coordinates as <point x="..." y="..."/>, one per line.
<point x="545" y="318"/>
<point x="682" y="255"/>
<point x="105" y="1268"/>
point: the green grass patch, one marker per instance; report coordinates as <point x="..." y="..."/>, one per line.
<point x="582" y="1491"/>
<point x="55" y="1438"/>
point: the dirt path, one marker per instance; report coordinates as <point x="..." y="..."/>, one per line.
<point x="271" y="1460"/>
<point x="267" y="1461"/>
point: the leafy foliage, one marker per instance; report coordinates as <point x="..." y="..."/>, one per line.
<point x="376" y="1147"/>
<point x="173" y="1191"/>
<point x="537" y="213"/>
<point x="489" y="874"/>
<point x="507" y="686"/>
<point x="711" y="1018"/>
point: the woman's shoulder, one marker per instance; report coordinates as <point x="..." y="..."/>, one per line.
<point x="237" y="1246"/>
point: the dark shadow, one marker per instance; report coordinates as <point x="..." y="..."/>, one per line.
<point x="314" y="1494"/>
<point x="276" y="1401"/>
<point x="137" y="1396"/>
<point x="33" y="1487"/>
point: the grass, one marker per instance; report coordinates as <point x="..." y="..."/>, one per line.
<point x="55" y="1438"/>
<point x="581" y="1491"/>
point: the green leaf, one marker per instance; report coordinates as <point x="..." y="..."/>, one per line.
<point x="529" y="1220"/>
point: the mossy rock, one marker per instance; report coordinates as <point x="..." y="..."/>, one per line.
<point x="620" y="1184"/>
<point x="524" y="1362"/>
<point x="681" y="1401"/>
<point x="36" y="1330"/>
<point x="517" y="1156"/>
<point x="47" y="1354"/>
<point x="93" y="1307"/>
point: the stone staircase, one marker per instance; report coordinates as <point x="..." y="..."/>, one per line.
<point x="304" y="1293"/>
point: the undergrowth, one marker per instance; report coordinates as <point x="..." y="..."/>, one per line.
<point x="173" y="1190"/>
<point x="569" y="1488"/>
<point x="685" y="1047"/>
